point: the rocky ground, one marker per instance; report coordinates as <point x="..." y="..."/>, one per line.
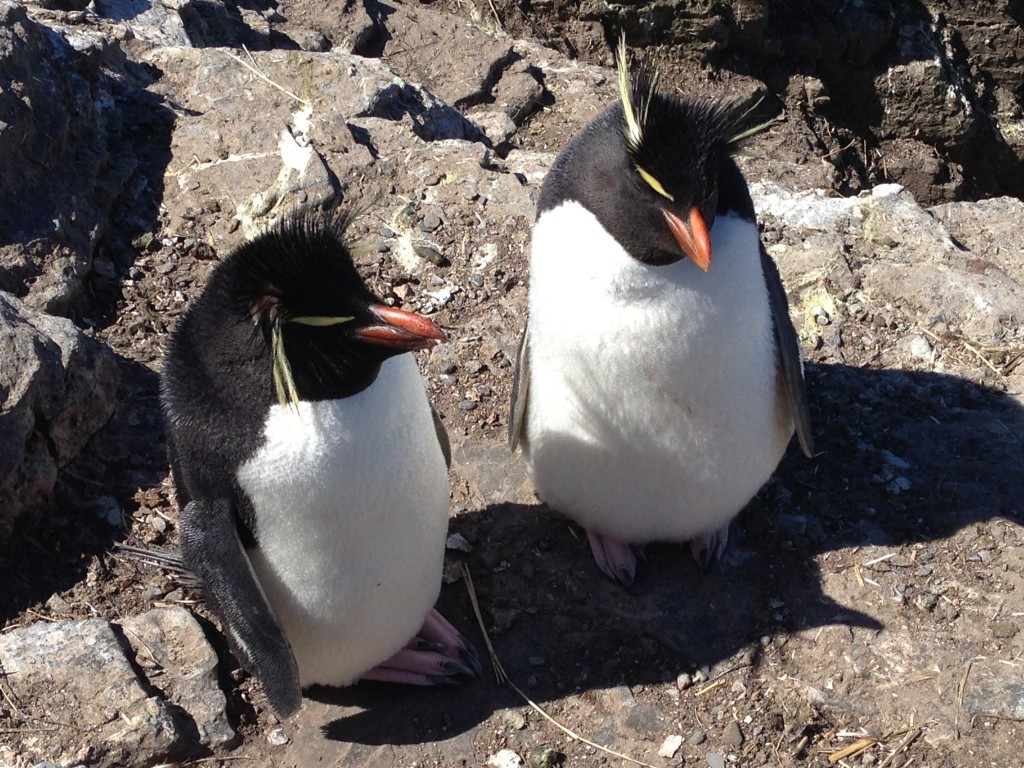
<point x="871" y="599"/>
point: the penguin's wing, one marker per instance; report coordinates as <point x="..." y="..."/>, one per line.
<point x="212" y="549"/>
<point x="520" y="390"/>
<point x="789" y="354"/>
<point x="442" y="437"/>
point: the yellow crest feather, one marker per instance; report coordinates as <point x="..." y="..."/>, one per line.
<point x="636" y="94"/>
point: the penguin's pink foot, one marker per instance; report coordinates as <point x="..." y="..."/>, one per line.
<point x="432" y="657"/>
<point x="709" y="546"/>
<point x="614" y="557"/>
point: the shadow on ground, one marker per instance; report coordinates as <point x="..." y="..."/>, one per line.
<point x="903" y="458"/>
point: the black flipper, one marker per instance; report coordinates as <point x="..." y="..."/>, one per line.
<point x="789" y="354"/>
<point x="212" y="549"/>
<point x="442" y="438"/>
<point x="520" y="391"/>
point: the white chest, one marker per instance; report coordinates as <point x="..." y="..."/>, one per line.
<point x="653" y="399"/>
<point x="351" y="505"/>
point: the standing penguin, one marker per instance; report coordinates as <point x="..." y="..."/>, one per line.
<point x="656" y="391"/>
<point x="309" y="471"/>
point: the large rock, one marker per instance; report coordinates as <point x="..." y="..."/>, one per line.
<point x="171" y="651"/>
<point x="74" y="676"/>
<point x="63" y="161"/>
<point x="127" y="694"/>
<point x="881" y="256"/>
<point x="57" y="388"/>
<point x="303" y="150"/>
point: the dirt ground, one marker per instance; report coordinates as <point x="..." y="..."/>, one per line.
<point x="873" y="592"/>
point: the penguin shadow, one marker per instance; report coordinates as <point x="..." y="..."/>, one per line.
<point x="903" y="458"/>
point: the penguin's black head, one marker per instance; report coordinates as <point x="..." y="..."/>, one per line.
<point x="655" y="170"/>
<point x="324" y="333"/>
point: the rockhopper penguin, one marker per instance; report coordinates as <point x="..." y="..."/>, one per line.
<point x="310" y="476"/>
<point x="659" y="377"/>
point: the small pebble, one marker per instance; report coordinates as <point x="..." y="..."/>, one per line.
<point x="431" y="254"/>
<point x="467" y="405"/>
<point x="477" y="280"/>
<point x="430" y="222"/>
<point x="697" y="737"/>
<point x="716" y="760"/>
<point x="515" y="720"/>
<point x="505" y="758"/>
<point x="277" y="737"/>
<point x="684" y="681"/>
<point x="545" y="757"/>
<point x="386" y="232"/>
<point x="538" y="661"/>
<point x="670" y="746"/>
<point x="732" y="736"/>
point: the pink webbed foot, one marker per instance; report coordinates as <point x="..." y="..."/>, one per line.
<point x="614" y="557"/>
<point x="709" y="546"/>
<point x="432" y="657"/>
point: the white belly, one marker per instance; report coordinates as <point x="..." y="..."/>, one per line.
<point x="351" y="502"/>
<point x="654" y="409"/>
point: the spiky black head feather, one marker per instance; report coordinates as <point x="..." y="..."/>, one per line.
<point x="277" y="317"/>
<point x="648" y="154"/>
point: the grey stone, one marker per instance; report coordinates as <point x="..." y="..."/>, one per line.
<point x="927" y="275"/>
<point x="419" y="54"/>
<point x="732" y="736"/>
<point x="172" y="640"/>
<point x="74" y="676"/>
<point x="58" y="388"/>
<point x="63" y="159"/>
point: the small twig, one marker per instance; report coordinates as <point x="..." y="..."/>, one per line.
<point x="497" y="18"/>
<point x="500" y="674"/>
<point x="879" y="559"/>
<point x="856" y="572"/>
<point x="983" y="359"/>
<point x="852" y="750"/>
<point x="708" y="688"/>
<point x="903" y="745"/>
<point x="145" y="645"/>
<point x="718" y="679"/>
<point x="963" y="684"/>
<point x="254" y="68"/>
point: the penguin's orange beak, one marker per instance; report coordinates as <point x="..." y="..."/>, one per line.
<point x="399" y="329"/>
<point x="692" y="237"/>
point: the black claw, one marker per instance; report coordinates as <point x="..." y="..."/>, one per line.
<point x="427" y="645"/>
<point x="624" y="577"/>
<point x="454" y="667"/>
<point x="468" y="654"/>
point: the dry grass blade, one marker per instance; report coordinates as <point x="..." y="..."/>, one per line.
<point x="903" y="745"/>
<point x="500" y="674"/>
<point x="259" y="73"/>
